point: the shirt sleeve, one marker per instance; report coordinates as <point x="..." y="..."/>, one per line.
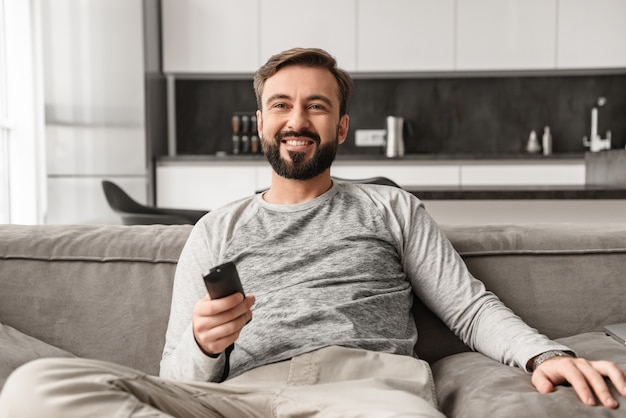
<point x="442" y="281"/>
<point x="182" y="358"/>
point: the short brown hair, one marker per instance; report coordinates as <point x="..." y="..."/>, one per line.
<point x="310" y="57"/>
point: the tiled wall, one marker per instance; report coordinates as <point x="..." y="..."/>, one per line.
<point x="469" y="115"/>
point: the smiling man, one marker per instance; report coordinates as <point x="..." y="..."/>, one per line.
<point x="302" y="120"/>
<point x="330" y="270"/>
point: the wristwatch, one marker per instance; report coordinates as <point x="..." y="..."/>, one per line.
<point x="548" y="355"/>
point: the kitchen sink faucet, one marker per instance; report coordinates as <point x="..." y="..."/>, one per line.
<point x="597" y="143"/>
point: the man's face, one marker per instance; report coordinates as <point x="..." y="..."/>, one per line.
<point x="299" y="123"/>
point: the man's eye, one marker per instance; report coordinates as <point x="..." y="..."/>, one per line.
<point x="279" y="105"/>
<point x="316" y="106"/>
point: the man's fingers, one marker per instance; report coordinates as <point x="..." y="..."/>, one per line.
<point x="220" y="311"/>
<point x="586" y="377"/>
<point x="215" y="346"/>
<point x="616" y="375"/>
<point x="220" y="305"/>
<point x="217" y="323"/>
<point x="215" y="339"/>
<point x="591" y="382"/>
<point x="226" y="328"/>
<point x="542" y="383"/>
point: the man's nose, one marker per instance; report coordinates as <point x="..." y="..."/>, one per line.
<point x="298" y="119"/>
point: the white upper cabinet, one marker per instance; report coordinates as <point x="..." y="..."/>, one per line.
<point x="405" y="35"/>
<point x="326" y="24"/>
<point x="506" y="34"/>
<point x="592" y="34"/>
<point x="210" y="36"/>
<point x="376" y="36"/>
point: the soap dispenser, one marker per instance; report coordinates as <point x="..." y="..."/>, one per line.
<point x="546" y="141"/>
<point x="533" y="146"/>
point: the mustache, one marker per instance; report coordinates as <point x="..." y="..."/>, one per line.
<point x="302" y="133"/>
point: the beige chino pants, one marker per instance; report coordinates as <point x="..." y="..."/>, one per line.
<point x="330" y="382"/>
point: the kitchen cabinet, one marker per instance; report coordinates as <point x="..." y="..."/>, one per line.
<point x="405" y="35"/>
<point x="371" y="36"/>
<point x="210" y="184"/>
<point x="210" y="36"/>
<point x="326" y="24"/>
<point x="218" y="37"/>
<point x="405" y="174"/>
<point x="506" y="34"/>
<point x="523" y="173"/>
<point x="591" y="34"/>
<point x="207" y="185"/>
<point x="409" y="173"/>
<point x="204" y="186"/>
<point x="197" y="184"/>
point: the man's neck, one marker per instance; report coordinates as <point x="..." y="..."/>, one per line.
<point x="290" y="192"/>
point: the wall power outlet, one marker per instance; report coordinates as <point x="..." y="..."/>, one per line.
<point x="370" y="137"/>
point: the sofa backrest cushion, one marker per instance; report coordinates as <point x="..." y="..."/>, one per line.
<point x="562" y="279"/>
<point x="96" y="291"/>
<point x="104" y="291"/>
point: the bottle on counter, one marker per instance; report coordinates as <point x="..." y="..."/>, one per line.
<point x="255" y="145"/>
<point x="533" y="146"/>
<point x="245" y="139"/>
<point x="253" y="126"/>
<point x="245" y="144"/>
<point x="546" y="141"/>
<point x="245" y="124"/>
<point x="236" y="144"/>
<point x="236" y="124"/>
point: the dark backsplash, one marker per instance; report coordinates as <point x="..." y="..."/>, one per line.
<point x="470" y="115"/>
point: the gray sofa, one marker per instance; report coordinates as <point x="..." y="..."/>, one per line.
<point x="104" y="292"/>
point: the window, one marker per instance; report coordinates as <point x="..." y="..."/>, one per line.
<point x="22" y="163"/>
<point x="5" y="214"/>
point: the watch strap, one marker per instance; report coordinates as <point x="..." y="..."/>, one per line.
<point x="548" y="355"/>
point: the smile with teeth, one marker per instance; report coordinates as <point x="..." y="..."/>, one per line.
<point x="296" y="142"/>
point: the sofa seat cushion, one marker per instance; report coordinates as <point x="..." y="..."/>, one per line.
<point x="472" y="385"/>
<point x="17" y="348"/>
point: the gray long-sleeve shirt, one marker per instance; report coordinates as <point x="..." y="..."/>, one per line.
<point x="338" y="270"/>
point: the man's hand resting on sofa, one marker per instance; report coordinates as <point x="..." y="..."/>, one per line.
<point x="586" y="377"/>
<point x="217" y="323"/>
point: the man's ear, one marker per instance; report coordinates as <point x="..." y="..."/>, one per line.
<point x="259" y="123"/>
<point x="344" y="124"/>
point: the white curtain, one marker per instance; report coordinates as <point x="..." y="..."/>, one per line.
<point x="22" y="152"/>
<point x="5" y="125"/>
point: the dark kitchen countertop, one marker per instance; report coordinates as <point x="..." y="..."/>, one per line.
<point x="517" y="192"/>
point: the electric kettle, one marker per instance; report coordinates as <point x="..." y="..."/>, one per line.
<point x="395" y="137"/>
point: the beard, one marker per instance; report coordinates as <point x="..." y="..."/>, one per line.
<point x="297" y="168"/>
